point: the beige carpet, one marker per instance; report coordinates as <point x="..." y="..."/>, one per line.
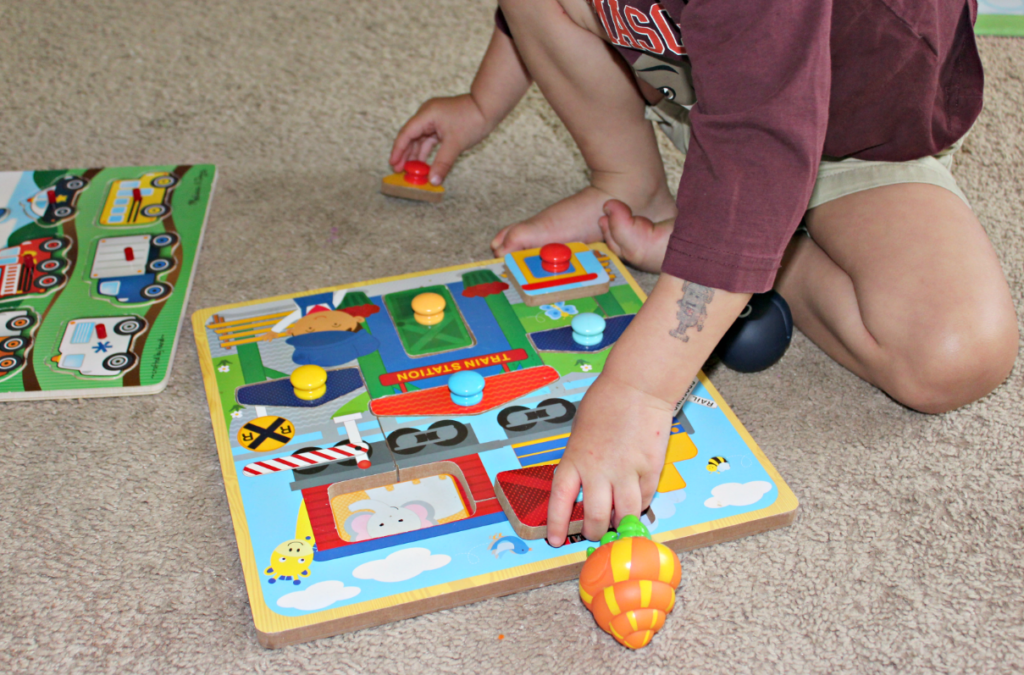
<point x="116" y="548"/>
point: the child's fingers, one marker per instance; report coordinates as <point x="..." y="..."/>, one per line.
<point x="446" y="156"/>
<point x="627" y="499"/>
<point x="597" y="510"/>
<point x="413" y="130"/>
<point x="425" y="148"/>
<point x="648" y="486"/>
<point x="498" y="241"/>
<point x="564" y="488"/>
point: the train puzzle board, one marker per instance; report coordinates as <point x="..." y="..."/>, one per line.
<point x="376" y="502"/>
<point x="95" y="270"/>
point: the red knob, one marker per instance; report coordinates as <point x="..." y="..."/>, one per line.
<point x="416" y="172"/>
<point x="555" y="257"/>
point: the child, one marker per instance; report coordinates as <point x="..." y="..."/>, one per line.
<point x="842" y="114"/>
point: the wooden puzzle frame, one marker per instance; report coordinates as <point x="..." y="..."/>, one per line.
<point x="276" y="630"/>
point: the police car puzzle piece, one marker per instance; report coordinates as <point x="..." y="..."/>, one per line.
<point x="412" y="183"/>
<point x="282" y="392"/>
<point x="555" y="273"/>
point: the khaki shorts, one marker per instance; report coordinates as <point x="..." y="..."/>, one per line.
<point x="836" y="177"/>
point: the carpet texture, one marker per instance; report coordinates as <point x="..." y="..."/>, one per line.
<point x="117" y="553"/>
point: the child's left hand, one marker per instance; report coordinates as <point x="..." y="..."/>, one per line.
<point x="616" y="451"/>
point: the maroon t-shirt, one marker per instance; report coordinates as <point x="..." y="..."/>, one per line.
<point x="778" y="84"/>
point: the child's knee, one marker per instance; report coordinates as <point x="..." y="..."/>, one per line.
<point x="956" y="366"/>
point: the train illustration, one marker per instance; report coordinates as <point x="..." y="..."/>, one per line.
<point x="528" y="404"/>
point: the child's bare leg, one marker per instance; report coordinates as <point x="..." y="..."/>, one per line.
<point x="595" y="95"/>
<point x="900" y="284"/>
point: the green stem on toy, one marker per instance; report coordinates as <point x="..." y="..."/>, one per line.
<point x="629" y="526"/>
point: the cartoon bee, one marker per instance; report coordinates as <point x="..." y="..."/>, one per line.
<point x="718" y="464"/>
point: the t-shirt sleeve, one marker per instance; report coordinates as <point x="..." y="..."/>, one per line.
<point x="761" y="73"/>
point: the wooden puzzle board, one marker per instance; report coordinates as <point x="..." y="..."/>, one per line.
<point x="95" y="271"/>
<point x="312" y="564"/>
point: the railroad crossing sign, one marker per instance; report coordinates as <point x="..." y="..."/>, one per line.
<point x="265" y="434"/>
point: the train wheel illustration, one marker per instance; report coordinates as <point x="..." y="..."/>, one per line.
<point x="55" y="244"/>
<point x="165" y="239"/>
<point x="9" y="363"/>
<point x="21" y="322"/>
<point x="13" y="344"/>
<point x="516" y="418"/>
<point x="557" y="410"/>
<point x="122" y="361"/>
<point x="129" y="326"/>
<point x="411" y="441"/>
<point x="552" y="411"/>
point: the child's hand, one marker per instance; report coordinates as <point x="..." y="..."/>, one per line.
<point x="456" y="123"/>
<point x="616" y="451"/>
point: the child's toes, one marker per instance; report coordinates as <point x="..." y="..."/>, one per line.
<point x="633" y="238"/>
<point x="521" y="236"/>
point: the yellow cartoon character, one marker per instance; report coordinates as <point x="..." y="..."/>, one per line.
<point x="290" y="561"/>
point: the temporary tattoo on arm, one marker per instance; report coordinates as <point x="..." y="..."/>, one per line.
<point x="693" y="309"/>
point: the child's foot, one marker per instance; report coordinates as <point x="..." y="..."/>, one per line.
<point x="574" y="218"/>
<point x="635" y="239"/>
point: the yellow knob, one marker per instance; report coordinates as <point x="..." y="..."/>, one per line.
<point x="310" y="382"/>
<point x="428" y="308"/>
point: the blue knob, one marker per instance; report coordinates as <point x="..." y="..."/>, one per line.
<point x="588" y="329"/>
<point x="466" y="388"/>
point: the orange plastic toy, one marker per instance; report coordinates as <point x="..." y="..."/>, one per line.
<point x="629" y="583"/>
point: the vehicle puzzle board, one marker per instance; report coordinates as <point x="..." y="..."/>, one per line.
<point x="376" y="501"/>
<point x="95" y="270"/>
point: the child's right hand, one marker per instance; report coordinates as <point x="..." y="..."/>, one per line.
<point x="453" y="123"/>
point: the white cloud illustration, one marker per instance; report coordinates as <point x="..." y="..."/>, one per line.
<point x="318" y="596"/>
<point x="737" y="494"/>
<point x="401" y="565"/>
<point x="664" y="503"/>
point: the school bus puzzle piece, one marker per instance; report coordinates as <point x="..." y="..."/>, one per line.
<point x="400" y="491"/>
<point x="140" y="201"/>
